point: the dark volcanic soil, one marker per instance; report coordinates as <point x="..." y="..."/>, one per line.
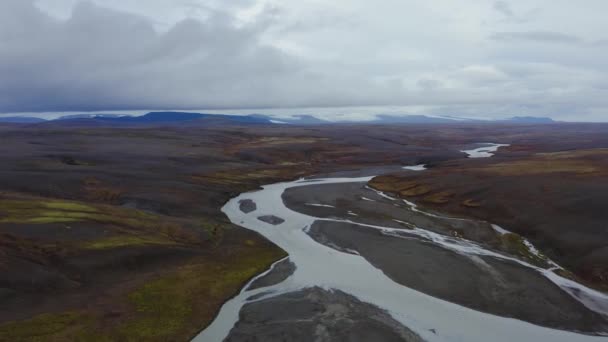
<point x="481" y="283"/>
<point x="280" y="272"/>
<point x="93" y="218"/>
<point x="556" y="200"/>
<point x="99" y="226"/>
<point x="356" y="202"/>
<point x="247" y="206"/>
<point x="317" y="315"/>
<point x="274" y="220"/>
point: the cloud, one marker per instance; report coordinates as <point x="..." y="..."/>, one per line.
<point x="536" y="37"/>
<point x="480" y="75"/>
<point x="504" y="8"/>
<point x="102" y="59"/>
<point x="601" y="42"/>
<point x="105" y="55"/>
<point x="429" y="83"/>
<point x="105" y="59"/>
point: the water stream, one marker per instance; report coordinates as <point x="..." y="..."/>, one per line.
<point x="318" y="265"/>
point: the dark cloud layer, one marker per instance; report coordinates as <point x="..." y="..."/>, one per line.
<point x="101" y="59"/>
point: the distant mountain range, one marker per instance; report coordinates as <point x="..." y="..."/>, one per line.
<point x="155" y="118"/>
<point x="177" y="117"/>
<point x="423" y="119"/>
<point x="530" y="119"/>
<point x="21" y="119"/>
<point x="415" y="119"/>
<point x="152" y="118"/>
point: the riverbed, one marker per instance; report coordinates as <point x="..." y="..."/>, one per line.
<point x="402" y="266"/>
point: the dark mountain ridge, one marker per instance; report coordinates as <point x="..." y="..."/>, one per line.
<point x="21" y="119"/>
<point x="169" y="117"/>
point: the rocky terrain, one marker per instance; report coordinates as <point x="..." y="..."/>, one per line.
<point x="113" y="233"/>
<point x="319" y="315"/>
<point x="553" y="198"/>
<point x="350" y="212"/>
<point x="116" y="233"/>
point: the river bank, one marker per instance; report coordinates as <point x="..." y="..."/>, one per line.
<point x="347" y="269"/>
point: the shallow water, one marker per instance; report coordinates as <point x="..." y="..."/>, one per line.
<point x="420" y="167"/>
<point x="317" y="265"/>
<point x="484" y="152"/>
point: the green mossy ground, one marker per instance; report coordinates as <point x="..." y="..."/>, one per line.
<point x="37" y="211"/>
<point x="173" y="307"/>
<point x="514" y="244"/>
<point x="68" y="326"/>
<point x="134" y="227"/>
<point x="125" y="241"/>
<point x="165" y="308"/>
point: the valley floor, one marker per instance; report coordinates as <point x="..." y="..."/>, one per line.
<point x="117" y="234"/>
<point x="378" y="249"/>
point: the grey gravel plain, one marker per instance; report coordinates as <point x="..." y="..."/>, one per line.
<point x="271" y="219"/>
<point x="317" y="315"/>
<point x="279" y="273"/>
<point x="247" y="206"/>
<point x="486" y="284"/>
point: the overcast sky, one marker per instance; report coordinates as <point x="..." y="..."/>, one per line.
<point x="474" y="58"/>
